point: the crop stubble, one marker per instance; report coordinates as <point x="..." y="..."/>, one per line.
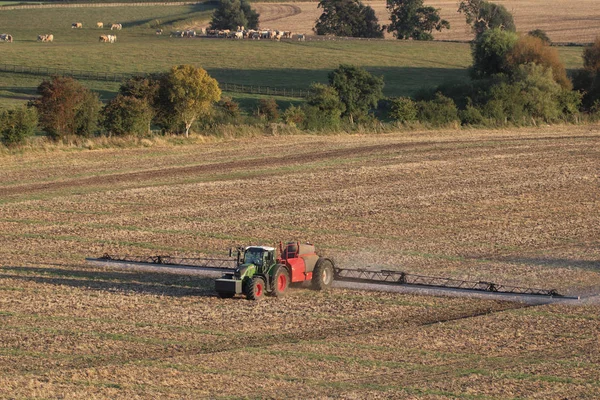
<point x="515" y="207"/>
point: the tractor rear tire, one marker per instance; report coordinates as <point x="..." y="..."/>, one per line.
<point x="255" y="289"/>
<point x="281" y="282"/>
<point x="322" y="276"/>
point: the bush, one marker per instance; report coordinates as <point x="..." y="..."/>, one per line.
<point x="532" y="94"/>
<point x="324" y="107"/>
<point x="294" y="116"/>
<point x="17" y="124"/>
<point x="587" y="80"/>
<point x="529" y="49"/>
<point x="471" y="116"/>
<point x="127" y="115"/>
<point x="540" y="34"/>
<point x="490" y="50"/>
<point x="437" y="112"/>
<point x="403" y="109"/>
<point x="268" y="109"/>
<point x="66" y="107"/>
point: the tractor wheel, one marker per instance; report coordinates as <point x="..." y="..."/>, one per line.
<point x="281" y="281"/>
<point x="322" y="276"/>
<point x="225" y="295"/>
<point x="255" y="289"/>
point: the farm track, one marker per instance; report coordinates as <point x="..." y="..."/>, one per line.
<point x="278" y="11"/>
<point x="224" y="167"/>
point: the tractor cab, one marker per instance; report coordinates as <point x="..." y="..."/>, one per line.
<point x="259" y="256"/>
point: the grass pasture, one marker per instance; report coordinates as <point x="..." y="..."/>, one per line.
<point x="513" y="207"/>
<point x="405" y="66"/>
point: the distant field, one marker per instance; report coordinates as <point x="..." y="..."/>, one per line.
<point x="406" y="66"/>
<point x="563" y="21"/>
<point x="516" y="207"/>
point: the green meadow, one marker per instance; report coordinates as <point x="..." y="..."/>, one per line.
<point x="406" y="66"/>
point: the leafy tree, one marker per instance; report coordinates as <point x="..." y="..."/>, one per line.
<point x="127" y="115"/>
<point x="490" y="51"/>
<point x="358" y="90"/>
<point x="540" y="34"/>
<point x="324" y="106"/>
<point x="347" y="18"/>
<point x="483" y="15"/>
<point x="17" y="124"/>
<point x="403" y="109"/>
<point x="233" y="13"/>
<point x="587" y="80"/>
<point x="410" y="19"/>
<point x="191" y="93"/>
<point x="66" y="107"/>
<point x="530" y="49"/>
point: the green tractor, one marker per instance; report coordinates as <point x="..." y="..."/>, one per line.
<point x="259" y="271"/>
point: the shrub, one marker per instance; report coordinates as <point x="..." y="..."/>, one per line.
<point x="229" y="107"/>
<point x="125" y="115"/>
<point x="403" y="109"/>
<point x="471" y="116"/>
<point x="324" y="107"/>
<point x="533" y="94"/>
<point x="587" y="80"/>
<point x="294" y="116"/>
<point x="529" y="49"/>
<point x="540" y="34"/>
<point x="268" y="109"/>
<point x="437" y="112"/>
<point x="17" y="124"/>
<point x="66" y="107"/>
<point x="490" y="50"/>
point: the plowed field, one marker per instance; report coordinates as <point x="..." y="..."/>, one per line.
<point x="516" y="207"/>
<point x="563" y="21"/>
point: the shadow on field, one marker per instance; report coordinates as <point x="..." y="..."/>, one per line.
<point x="398" y="81"/>
<point x="555" y="262"/>
<point x="115" y="281"/>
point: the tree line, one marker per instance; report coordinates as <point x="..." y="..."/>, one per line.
<point x="515" y="80"/>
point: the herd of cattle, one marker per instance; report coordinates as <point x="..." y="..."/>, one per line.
<point x="240" y="33"/>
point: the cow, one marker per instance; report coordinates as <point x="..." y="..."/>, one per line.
<point x="99" y="25"/>
<point x="117" y="27"/>
<point x="41" y="38"/>
<point x="77" y="25"/>
<point x="203" y="31"/>
<point x="159" y="31"/>
<point x="49" y="38"/>
<point x="111" y="38"/>
<point x="239" y="35"/>
<point x="301" y="37"/>
<point x="5" y="37"/>
<point x="103" y="39"/>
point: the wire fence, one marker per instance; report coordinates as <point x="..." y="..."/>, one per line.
<point x="120" y="77"/>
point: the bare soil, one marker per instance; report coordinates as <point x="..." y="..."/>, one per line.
<point x="562" y="21"/>
<point x="515" y="206"/>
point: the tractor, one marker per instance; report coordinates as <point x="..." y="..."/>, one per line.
<point x="258" y="271"/>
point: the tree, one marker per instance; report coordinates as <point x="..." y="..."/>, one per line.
<point x="587" y="80"/>
<point x="532" y="50"/>
<point x="358" y="90"/>
<point x="410" y="19"/>
<point x="17" y="124"/>
<point x="66" y="107"/>
<point x="490" y="52"/>
<point x="540" y="34"/>
<point x="482" y="16"/>
<point x="191" y="93"/>
<point x="127" y="115"/>
<point x="347" y="18"/>
<point x="324" y="106"/>
<point x="233" y="13"/>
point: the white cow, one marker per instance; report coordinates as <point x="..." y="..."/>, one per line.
<point x="117" y="27"/>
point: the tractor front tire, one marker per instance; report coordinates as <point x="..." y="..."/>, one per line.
<point x="281" y="282"/>
<point x="322" y="276"/>
<point x="255" y="289"/>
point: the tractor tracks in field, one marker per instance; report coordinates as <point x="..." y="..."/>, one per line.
<point x="110" y="181"/>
